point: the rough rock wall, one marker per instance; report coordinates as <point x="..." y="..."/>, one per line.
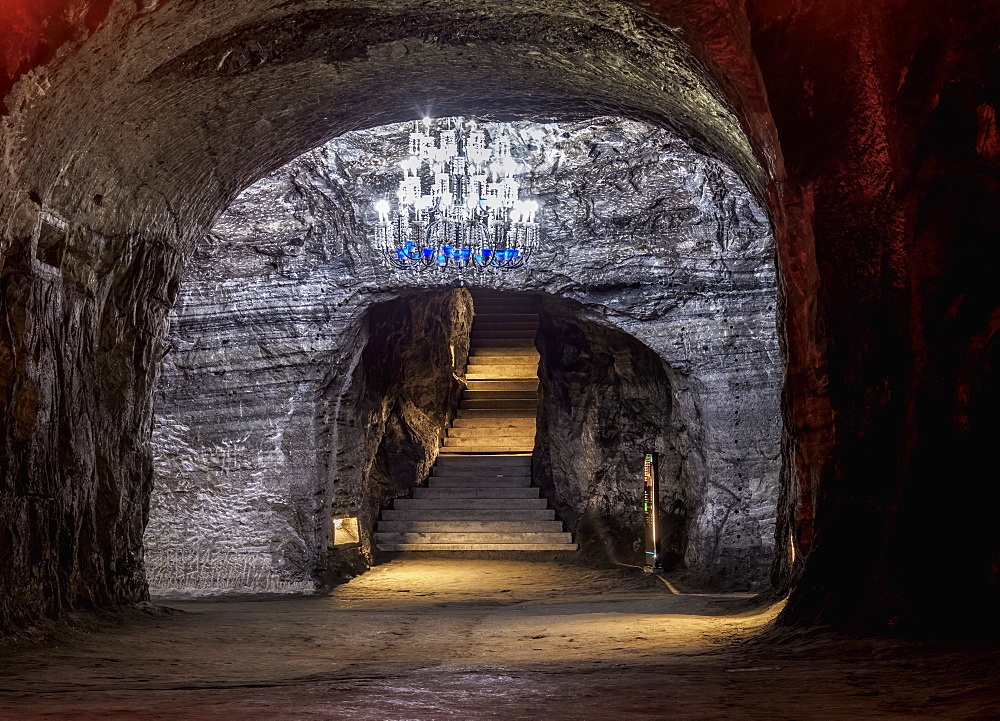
<point x="907" y="91"/>
<point x="79" y="349"/>
<point x="252" y="465"/>
<point x="604" y="401"/>
<point x="380" y="435"/>
<point x="137" y="127"/>
<point x="647" y="235"/>
<point x="891" y="307"/>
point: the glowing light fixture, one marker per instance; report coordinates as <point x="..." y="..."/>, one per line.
<point x="458" y="203"/>
<point x="344" y="532"/>
<point x="650" y="507"/>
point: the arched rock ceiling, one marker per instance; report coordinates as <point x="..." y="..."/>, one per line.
<point x="646" y="234"/>
<point x="173" y="112"/>
<point x="620" y="199"/>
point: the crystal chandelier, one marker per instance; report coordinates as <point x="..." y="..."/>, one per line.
<point x="458" y="204"/>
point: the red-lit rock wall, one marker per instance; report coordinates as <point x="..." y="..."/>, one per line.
<point x="885" y="114"/>
<point x="33" y="30"/>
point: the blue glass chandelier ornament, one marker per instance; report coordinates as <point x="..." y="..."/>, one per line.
<point x="458" y="204"/>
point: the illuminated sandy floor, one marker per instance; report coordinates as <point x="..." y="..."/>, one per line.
<point x="422" y="638"/>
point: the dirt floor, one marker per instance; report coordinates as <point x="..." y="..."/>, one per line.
<point x="430" y="638"/>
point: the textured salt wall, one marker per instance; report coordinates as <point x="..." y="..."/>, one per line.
<point x="880" y="112"/>
<point x="604" y="401"/>
<point x="379" y="434"/>
<point x="136" y="128"/>
<point x="644" y="233"/>
<point x="252" y="488"/>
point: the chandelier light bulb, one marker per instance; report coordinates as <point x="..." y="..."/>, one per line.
<point x="517" y="212"/>
<point x="530" y="208"/>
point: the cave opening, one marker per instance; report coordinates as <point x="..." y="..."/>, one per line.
<point x="307" y="385"/>
<point x="604" y="399"/>
<point x="868" y="129"/>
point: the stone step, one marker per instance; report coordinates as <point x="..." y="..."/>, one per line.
<point x="478" y="481"/>
<point x="484" y="504"/>
<point x="525" y="538"/>
<point x="471" y="492"/>
<point x="506" y="334"/>
<point x="491" y="438"/>
<point x="493" y="422"/>
<point x="524" y="321"/>
<point x="528" y="386"/>
<point x="448" y="451"/>
<point x="504" y="359"/>
<point x="526" y="439"/>
<point x="464" y="413"/>
<point x="444" y="462"/>
<point x="490" y="460"/>
<point x="513" y="373"/>
<point x="505" y="322"/>
<point x="484" y="365"/>
<point x="452" y="466"/>
<point x="507" y="343"/>
<point x="497" y="306"/>
<point x="486" y="352"/>
<point x="485" y="430"/>
<point x="485" y="472"/>
<point x="506" y="426"/>
<point x="470" y="526"/>
<point x="495" y="403"/>
<point x="491" y="432"/>
<point x="496" y="361"/>
<point x="500" y="394"/>
<point x="485" y="303"/>
<point x="499" y="371"/>
<point x="465" y="514"/>
<point x="499" y="444"/>
<point x="405" y="547"/>
<point x="462" y="470"/>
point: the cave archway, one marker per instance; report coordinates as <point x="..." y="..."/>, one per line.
<point x="243" y="504"/>
<point x="111" y="172"/>
<point x="281" y="288"/>
<point x="187" y="105"/>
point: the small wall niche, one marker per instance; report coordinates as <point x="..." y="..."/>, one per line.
<point x="344" y="532"/>
<point x="50" y="243"/>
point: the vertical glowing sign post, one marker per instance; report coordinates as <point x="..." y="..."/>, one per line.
<point x="650" y="504"/>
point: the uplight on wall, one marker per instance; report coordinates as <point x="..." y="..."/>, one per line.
<point x="650" y="508"/>
<point x="344" y="532"/>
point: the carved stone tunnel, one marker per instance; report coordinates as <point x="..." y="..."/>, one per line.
<point x="861" y="137"/>
<point x="270" y="310"/>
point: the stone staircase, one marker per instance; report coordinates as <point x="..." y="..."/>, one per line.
<point x="479" y="496"/>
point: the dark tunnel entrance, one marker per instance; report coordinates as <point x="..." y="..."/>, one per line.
<point x="603" y="400"/>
